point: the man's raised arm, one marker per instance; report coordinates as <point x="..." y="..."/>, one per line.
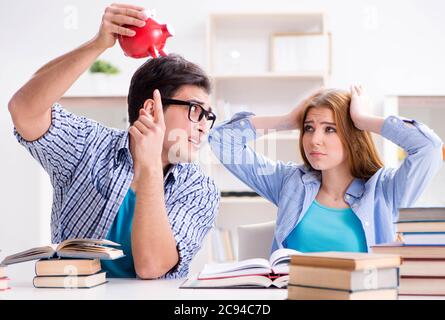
<point x="30" y="107"/>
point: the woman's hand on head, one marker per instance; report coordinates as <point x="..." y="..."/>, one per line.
<point x="361" y="111"/>
<point x="360" y="107"/>
<point x="296" y="114"/>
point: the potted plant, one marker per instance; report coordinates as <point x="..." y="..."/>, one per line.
<point x="100" y="72"/>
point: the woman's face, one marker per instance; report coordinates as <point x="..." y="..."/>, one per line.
<point x="322" y="145"/>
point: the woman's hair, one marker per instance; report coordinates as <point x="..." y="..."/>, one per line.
<point x="361" y="152"/>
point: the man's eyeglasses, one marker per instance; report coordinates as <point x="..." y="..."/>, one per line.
<point x="196" y="111"/>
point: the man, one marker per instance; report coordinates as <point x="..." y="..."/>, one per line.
<point x="138" y="188"/>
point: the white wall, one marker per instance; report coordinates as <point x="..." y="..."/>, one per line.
<point x="392" y="47"/>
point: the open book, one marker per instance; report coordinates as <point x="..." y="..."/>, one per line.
<point x="74" y="248"/>
<point x="257" y="272"/>
<point x="247" y="282"/>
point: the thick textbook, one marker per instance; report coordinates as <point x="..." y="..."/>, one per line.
<point x="351" y="280"/>
<point x="309" y="293"/>
<point x="4" y="284"/>
<point x="424" y="214"/>
<point x="67" y="267"/>
<point x="347" y="260"/>
<point x="72" y="282"/>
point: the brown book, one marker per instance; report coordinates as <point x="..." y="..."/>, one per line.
<point x="70" y="282"/>
<point x="421" y="214"/>
<point x="347" y="260"/>
<point x="423" y="267"/>
<point x="357" y="280"/>
<point x="309" y="293"/>
<point x="67" y="267"/>
<point x="420" y="226"/>
<point x="4" y="284"/>
<point x="411" y="251"/>
<point x="434" y="286"/>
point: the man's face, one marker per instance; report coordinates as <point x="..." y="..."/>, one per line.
<point x="183" y="137"/>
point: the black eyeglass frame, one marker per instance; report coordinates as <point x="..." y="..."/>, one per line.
<point x="210" y="116"/>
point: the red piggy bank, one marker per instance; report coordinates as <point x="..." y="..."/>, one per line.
<point x="148" y="41"/>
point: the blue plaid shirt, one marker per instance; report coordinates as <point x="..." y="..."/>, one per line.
<point x="91" y="169"/>
<point x="293" y="188"/>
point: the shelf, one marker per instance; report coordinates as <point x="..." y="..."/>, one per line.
<point x="421" y="102"/>
<point x="92" y="107"/>
<point x="281" y="136"/>
<point x="93" y="100"/>
<point x="270" y="75"/>
<point x="304" y="22"/>
<point x="242" y="200"/>
<point x="94" y="96"/>
<point x="239" y="43"/>
<point x="270" y="95"/>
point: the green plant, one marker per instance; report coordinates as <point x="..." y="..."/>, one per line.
<point x="102" y="66"/>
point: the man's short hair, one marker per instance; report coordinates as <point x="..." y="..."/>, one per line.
<point x="167" y="74"/>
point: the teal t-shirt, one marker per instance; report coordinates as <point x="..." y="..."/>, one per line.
<point x="328" y="229"/>
<point x="120" y="232"/>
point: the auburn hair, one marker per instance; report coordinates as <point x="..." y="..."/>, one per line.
<point x="362" y="155"/>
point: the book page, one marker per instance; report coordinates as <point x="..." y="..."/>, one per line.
<point x="282" y="257"/>
<point x="84" y="242"/>
<point x="216" y="268"/>
<point x="31" y="254"/>
<point x="238" y="273"/>
<point x="281" y="282"/>
<point x="235" y="282"/>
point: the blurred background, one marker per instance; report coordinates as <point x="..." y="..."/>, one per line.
<point x="263" y="56"/>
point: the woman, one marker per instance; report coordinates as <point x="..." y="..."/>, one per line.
<point x="341" y="198"/>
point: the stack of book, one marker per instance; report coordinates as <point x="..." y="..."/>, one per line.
<point x="422" y="247"/>
<point x="3" y="279"/>
<point x="343" y="276"/>
<point x="71" y="264"/>
<point x="69" y="273"/>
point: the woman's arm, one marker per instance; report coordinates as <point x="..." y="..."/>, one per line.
<point x="228" y="142"/>
<point x="401" y="186"/>
<point x="277" y="123"/>
<point x="290" y="121"/>
<point x="404" y="185"/>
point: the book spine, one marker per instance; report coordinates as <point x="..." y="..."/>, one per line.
<point x="323" y="263"/>
<point x="228" y="246"/>
<point x="217" y="246"/>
